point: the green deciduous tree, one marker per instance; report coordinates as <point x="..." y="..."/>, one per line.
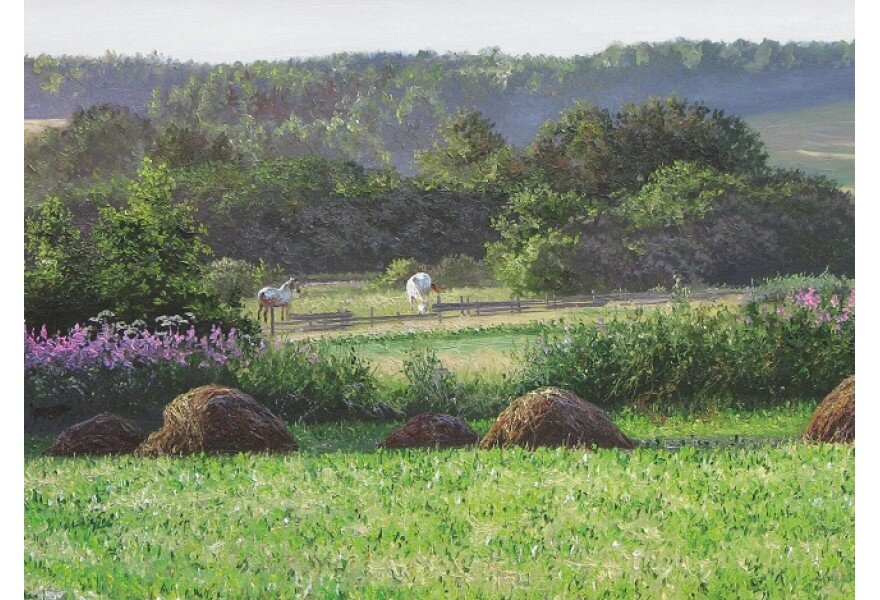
<point x="151" y="250"/>
<point x="470" y="155"/>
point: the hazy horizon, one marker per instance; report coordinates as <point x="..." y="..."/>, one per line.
<point x="223" y="31"/>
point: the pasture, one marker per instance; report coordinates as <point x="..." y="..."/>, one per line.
<point x="471" y="345"/>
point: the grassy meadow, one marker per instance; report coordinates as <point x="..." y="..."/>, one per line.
<point x="341" y="519"/>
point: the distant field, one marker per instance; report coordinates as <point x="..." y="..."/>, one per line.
<point x="816" y="140"/>
<point x="34" y="127"/>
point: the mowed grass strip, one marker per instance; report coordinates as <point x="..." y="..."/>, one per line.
<point x="772" y="522"/>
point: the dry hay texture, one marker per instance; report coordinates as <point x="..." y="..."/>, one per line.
<point x="102" y="434"/>
<point x="835" y="417"/>
<point x="553" y="417"/>
<point x="431" y="430"/>
<point x="217" y="420"/>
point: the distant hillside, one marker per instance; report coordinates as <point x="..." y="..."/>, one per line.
<point x="819" y="140"/>
<point x="378" y="109"/>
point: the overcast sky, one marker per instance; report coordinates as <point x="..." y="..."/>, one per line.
<point x="224" y="30"/>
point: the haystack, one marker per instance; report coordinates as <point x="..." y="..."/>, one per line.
<point x="103" y="434"/>
<point x="835" y="417"/>
<point x="217" y="420"/>
<point x="553" y="417"/>
<point x="431" y="430"/>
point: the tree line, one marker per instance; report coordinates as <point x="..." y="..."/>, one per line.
<point x="658" y="192"/>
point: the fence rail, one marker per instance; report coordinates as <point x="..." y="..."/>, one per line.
<point x="329" y="321"/>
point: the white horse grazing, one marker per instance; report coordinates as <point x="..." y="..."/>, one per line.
<point x="417" y="289"/>
<point x="277" y="297"/>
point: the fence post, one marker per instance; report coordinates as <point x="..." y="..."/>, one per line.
<point x="461" y="301"/>
<point x="469" y="305"/>
<point x="272" y="321"/>
<point x="371" y="317"/>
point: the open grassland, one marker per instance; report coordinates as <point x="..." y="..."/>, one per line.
<point x="816" y="140"/>
<point x="341" y="519"/>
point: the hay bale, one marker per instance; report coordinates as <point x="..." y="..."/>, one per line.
<point x="217" y="420"/>
<point x="431" y="430"/>
<point x="835" y="417"/>
<point x="102" y="434"/>
<point x="553" y="417"/>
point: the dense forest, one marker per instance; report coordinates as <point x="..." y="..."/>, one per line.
<point x="543" y="166"/>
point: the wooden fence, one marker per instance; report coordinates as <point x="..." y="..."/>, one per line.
<point x="329" y="321"/>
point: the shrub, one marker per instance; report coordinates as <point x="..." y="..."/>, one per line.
<point x="139" y="260"/>
<point x="696" y="355"/>
<point x="298" y="381"/>
<point x="462" y="271"/>
<point x="397" y="273"/>
<point x="787" y="287"/>
<point x="231" y="279"/>
<point x="123" y="367"/>
<point x="131" y="369"/>
<point x="432" y="387"/>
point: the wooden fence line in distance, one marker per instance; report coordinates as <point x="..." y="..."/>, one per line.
<point x="328" y="321"/>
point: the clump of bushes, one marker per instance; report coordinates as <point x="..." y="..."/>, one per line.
<point x="131" y="369"/>
<point x="396" y="273"/>
<point x="232" y="279"/>
<point x="462" y="270"/>
<point x="787" y="287"/>
<point x="300" y="381"/>
<point x="458" y="270"/>
<point x="140" y="260"/>
<point x="691" y="355"/>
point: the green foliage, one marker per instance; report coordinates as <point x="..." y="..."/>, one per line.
<point x="297" y="381"/>
<point x="462" y="271"/>
<point x="396" y="274"/>
<point x="140" y="260"/>
<point x="676" y="195"/>
<point x="98" y="141"/>
<point x="776" y="520"/>
<point x="184" y="146"/>
<point x="786" y="287"/>
<point x="432" y="387"/>
<point x="151" y="251"/>
<point x="663" y="192"/>
<point x="231" y="279"/>
<point x="591" y="152"/>
<point x="58" y="261"/>
<point x="469" y="156"/>
<point x="692" y="355"/>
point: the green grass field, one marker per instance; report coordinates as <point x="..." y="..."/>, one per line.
<point x="340" y="519"/>
<point x="816" y="140"/>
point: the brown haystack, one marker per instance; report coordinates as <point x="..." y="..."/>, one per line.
<point x="553" y="417"/>
<point x="103" y="434"/>
<point x="217" y="420"/>
<point x="431" y="430"/>
<point x="835" y="417"/>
